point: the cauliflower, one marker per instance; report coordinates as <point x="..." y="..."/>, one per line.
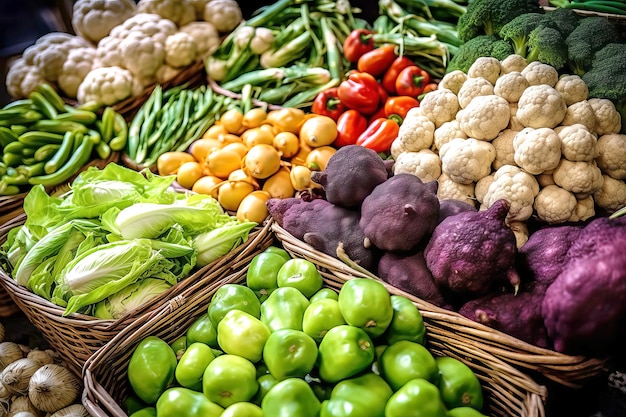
<point x="545" y="178"/>
<point x="397" y="147"/>
<point x="107" y="86"/>
<point x="142" y="55"/>
<point x="514" y="124"/>
<point x="94" y="19"/>
<point x="572" y="88"/>
<point x="453" y="81"/>
<point x="225" y="15"/>
<point x="22" y="79"/>
<point x="485" y="67"/>
<point x="446" y="132"/>
<point x="149" y="24"/>
<point x="505" y="152"/>
<point x="510" y="86"/>
<point x="537" y="73"/>
<point x="474" y="87"/>
<point x="611" y="196"/>
<point x="416" y="131"/>
<point x="577" y="142"/>
<point x="50" y="51"/>
<point x="540" y="106"/>
<point x="449" y="189"/>
<point x="77" y="65"/>
<point x="585" y="209"/>
<point x="578" y="177"/>
<point x="180" y="12"/>
<point x="608" y="119"/>
<point x="481" y="187"/>
<point x="554" y="205"/>
<point x="537" y="150"/>
<point x="108" y="52"/>
<point x="512" y="63"/>
<point x="166" y="73"/>
<point x="611" y="157"/>
<point x="440" y="106"/>
<point x="466" y="160"/>
<point x="180" y="50"/>
<point x="484" y="117"/>
<point x="424" y="164"/>
<point x="205" y="35"/>
<point x="516" y="186"/>
<point x="580" y="113"/>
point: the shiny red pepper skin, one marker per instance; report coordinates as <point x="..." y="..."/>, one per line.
<point x="400" y="105"/>
<point x="427" y="89"/>
<point x="377" y="61"/>
<point x="411" y="81"/>
<point x="390" y="76"/>
<point x="327" y="103"/>
<point x="350" y="125"/>
<point x="358" y="42"/>
<point x="360" y="92"/>
<point x="379" y="135"/>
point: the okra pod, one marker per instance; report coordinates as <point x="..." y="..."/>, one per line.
<point x="62" y="154"/>
<point x="71" y="167"/>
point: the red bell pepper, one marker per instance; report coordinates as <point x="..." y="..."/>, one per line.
<point x="379" y="113"/>
<point x="379" y="135"/>
<point x="400" y="105"/>
<point x="427" y="89"/>
<point x="411" y="81"/>
<point x="390" y="76"/>
<point x="327" y="103"/>
<point x="358" y="42"/>
<point x="377" y="61"/>
<point x="360" y="92"/>
<point x="350" y="125"/>
<point x="383" y="95"/>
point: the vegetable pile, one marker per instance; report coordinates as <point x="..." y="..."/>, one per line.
<point x="294" y="347"/>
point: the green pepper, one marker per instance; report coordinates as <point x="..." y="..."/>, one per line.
<point x="132" y="403"/>
<point x="192" y="364"/>
<point x="179" y="345"/>
<point x="458" y="384"/>
<point x="151" y="368"/>
<point x="242" y="334"/>
<point x="301" y="274"/>
<point x="289" y="353"/>
<point x="262" y="273"/>
<point x="416" y="398"/>
<point x="291" y="397"/>
<point x="464" y="412"/>
<point x="183" y="402"/>
<point x="144" y="412"/>
<point x="405" y="360"/>
<point x="366" y="303"/>
<point x="266" y="382"/>
<point x="202" y="330"/>
<point x="324" y="293"/>
<point x="279" y="251"/>
<point x="407" y="322"/>
<point x="344" y="352"/>
<point x="243" y="409"/>
<point x="364" y="395"/>
<point x="321" y="316"/>
<point x="229" y="379"/>
<point x="284" y="309"/>
<point x="233" y="296"/>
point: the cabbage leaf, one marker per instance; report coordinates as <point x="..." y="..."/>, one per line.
<point x="130" y="298"/>
<point x="218" y="242"/>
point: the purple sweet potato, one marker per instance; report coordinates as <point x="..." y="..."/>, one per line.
<point x="400" y="212"/>
<point x="472" y="252"/>
<point x="350" y="175"/>
<point x="278" y="206"/>
<point x="595" y="236"/>
<point x="449" y="207"/>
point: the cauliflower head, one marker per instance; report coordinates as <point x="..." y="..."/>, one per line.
<point x="142" y="55"/>
<point x="467" y="160"/>
<point x="572" y="88"/>
<point x="579" y="177"/>
<point x="537" y="73"/>
<point x="416" y="131"/>
<point x="485" y="67"/>
<point x="453" y="81"/>
<point x="225" y="15"/>
<point x="474" y="87"/>
<point x="516" y="186"/>
<point x="94" y="19"/>
<point x="577" y="142"/>
<point x="585" y="208"/>
<point x="608" y="119"/>
<point x="180" y="12"/>
<point x="449" y="189"/>
<point x="77" y="65"/>
<point x="554" y="205"/>
<point x="513" y="62"/>
<point x="440" y="106"/>
<point x="149" y="24"/>
<point x="582" y="113"/>
<point x="108" y="52"/>
<point x="22" y="78"/>
<point x="107" y="86"/>
<point x="611" y="196"/>
<point x="540" y="106"/>
<point x="537" y="150"/>
<point x="510" y="86"/>
<point x="205" y="35"/>
<point x="424" y="164"/>
<point x="180" y="50"/>
<point x="505" y="151"/>
<point x="485" y="117"/>
<point x="446" y="132"/>
<point x="50" y="51"/>
<point x="611" y="158"/>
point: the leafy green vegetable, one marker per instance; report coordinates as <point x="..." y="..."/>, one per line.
<point x="130" y="298"/>
<point x="218" y="242"/>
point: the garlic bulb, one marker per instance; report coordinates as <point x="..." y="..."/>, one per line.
<point x="21" y="406"/>
<point x="41" y="356"/>
<point x="9" y="352"/>
<point x="74" y="410"/>
<point x="16" y="375"/>
<point x="53" y="387"/>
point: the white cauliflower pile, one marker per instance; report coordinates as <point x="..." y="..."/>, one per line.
<point x="122" y="47"/>
<point x="518" y="131"/>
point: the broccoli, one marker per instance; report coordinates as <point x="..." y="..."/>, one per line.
<point x="547" y="45"/>
<point x="518" y="30"/>
<point x="482" y="45"/>
<point x="565" y="20"/>
<point x="486" y="17"/>
<point x="591" y="34"/>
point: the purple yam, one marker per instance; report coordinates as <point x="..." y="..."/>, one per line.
<point x="595" y="236"/>
<point x="449" y="207"/>
<point x="278" y="206"/>
<point x="303" y="217"/>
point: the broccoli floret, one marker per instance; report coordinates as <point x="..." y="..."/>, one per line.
<point x="518" y="30"/>
<point x="606" y="78"/>
<point x="591" y="34"/>
<point x="547" y="45"/>
<point x="486" y="17"/>
<point x="565" y="20"/>
<point x="482" y="45"/>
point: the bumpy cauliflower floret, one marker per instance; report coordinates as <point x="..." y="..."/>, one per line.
<point x="22" y="78"/>
<point x="505" y="152"/>
<point x="148" y="24"/>
<point x="612" y="195"/>
<point x="467" y="160"/>
<point x="449" y="189"/>
<point x="78" y="64"/>
<point x="107" y="86"/>
<point x="578" y="177"/>
<point x="540" y="106"/>
<point x="539" y="73"/>
<point x="611" y="149"/>
<point x="580" y="113"/>
<point x="142" y="55"/>
<point x="510" y="86"/>
<point x="440" y="106"/>
<point x="108" y="52"/>
<point x="537" y="150"/>
<point x="453" y="81"/>
<point x="485" y="67"/>
<point x="50" y="52"/>
<point x="572" y="88"/>
<point x="180" y="50"/>
<point x="608" y="119"/>
<point x="180" y="12"/>
<point x="446" y="132"/>
<point x="484" y="117"/>
<point x="94" y="19"/>
<point x="397" y="147"/>
<point x="224" y="14"/>
<point x="545" y="178"/>
<point x="585" y="209"/>
<point x="515" y="185"/>
<point x="482" y="186"/>
<point x="416" y="131"/>
<point x="514" y="124"/>
<point x="424" y="164"/>
<point x="512" y="63"/>
<point x="577" y="142"/>
<point x="166" y="73"/>
<point x="554" y="205"/>
<point x="474" y="87"/>
<point x="205" y="35"/>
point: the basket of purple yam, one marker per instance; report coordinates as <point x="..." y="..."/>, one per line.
<point x="554" y="305"/>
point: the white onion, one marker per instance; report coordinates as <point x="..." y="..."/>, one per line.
<point x="53" y="387"/>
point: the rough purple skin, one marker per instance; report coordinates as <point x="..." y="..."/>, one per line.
<point x="584" y="310"/>
<point x="350" y="175"/>
<point x="449" y="207"/>
<point x="278" y="206"/>
<point x="543" y="256"/>
<point x="472" y="252"/>
<point x="595" y="236"/>
<point x="400" y="212"/>
<point x="516" y="315"/>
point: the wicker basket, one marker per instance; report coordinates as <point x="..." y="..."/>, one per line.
<point x="78" y="336"/>
<point x="570" y="371"/>
<point x="508" y="392"/>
